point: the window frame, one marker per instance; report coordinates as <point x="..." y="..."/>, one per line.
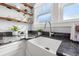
<point x="69" y="20"/>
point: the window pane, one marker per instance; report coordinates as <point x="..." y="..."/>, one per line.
<point x="45" y="8"/>
<point x="71" y="12"/>
<point x="44" y="12"/>
<point x="44" y="18"/>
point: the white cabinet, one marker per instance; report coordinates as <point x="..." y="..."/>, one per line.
<point x="13" y="49"/>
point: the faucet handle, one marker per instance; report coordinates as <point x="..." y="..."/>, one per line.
<point x="50" y="34"/>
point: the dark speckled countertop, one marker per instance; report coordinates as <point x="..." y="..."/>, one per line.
<point x="68" y="48"/>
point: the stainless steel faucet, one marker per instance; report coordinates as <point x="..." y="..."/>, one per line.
<point x="50" y="31"/>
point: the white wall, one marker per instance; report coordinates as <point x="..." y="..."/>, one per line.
<point x="5" y="12"/>
<point x="10" y="13"/>
<point x="5" y="25"/>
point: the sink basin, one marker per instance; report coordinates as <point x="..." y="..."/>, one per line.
<point x="53" y="44"/>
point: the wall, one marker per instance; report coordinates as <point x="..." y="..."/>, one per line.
<point x="58" y="25"/>
<point x="5" y="25"/>
<point x="10" y="13"/>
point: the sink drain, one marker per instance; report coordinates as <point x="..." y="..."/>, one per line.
<point x="47" y="48"/>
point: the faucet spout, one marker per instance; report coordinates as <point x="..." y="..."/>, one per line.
<point x="50" y="28"/>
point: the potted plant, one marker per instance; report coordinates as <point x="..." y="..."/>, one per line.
<point x="15" y="30"/>
<point x="39" y="31"/>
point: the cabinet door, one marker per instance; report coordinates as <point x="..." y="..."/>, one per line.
<point x="27" y="49"/>
<point x="13" y="49"/>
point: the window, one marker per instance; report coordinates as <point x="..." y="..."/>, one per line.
<point x="44" y="18"/>
<point x="71" y="12"/>
<point x="44" y="12"/>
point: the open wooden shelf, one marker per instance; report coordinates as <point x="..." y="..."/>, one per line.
<point x="15" y="8"/>
<point x="12" y="19"/>
<point x="27" y="5"/>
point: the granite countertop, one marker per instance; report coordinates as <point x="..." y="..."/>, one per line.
<point x="67" y="47"/>
<point x="2" y="44"/>
<point x="13" y="36"/>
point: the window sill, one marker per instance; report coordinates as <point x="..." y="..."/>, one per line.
<point x="71" y="20"/>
